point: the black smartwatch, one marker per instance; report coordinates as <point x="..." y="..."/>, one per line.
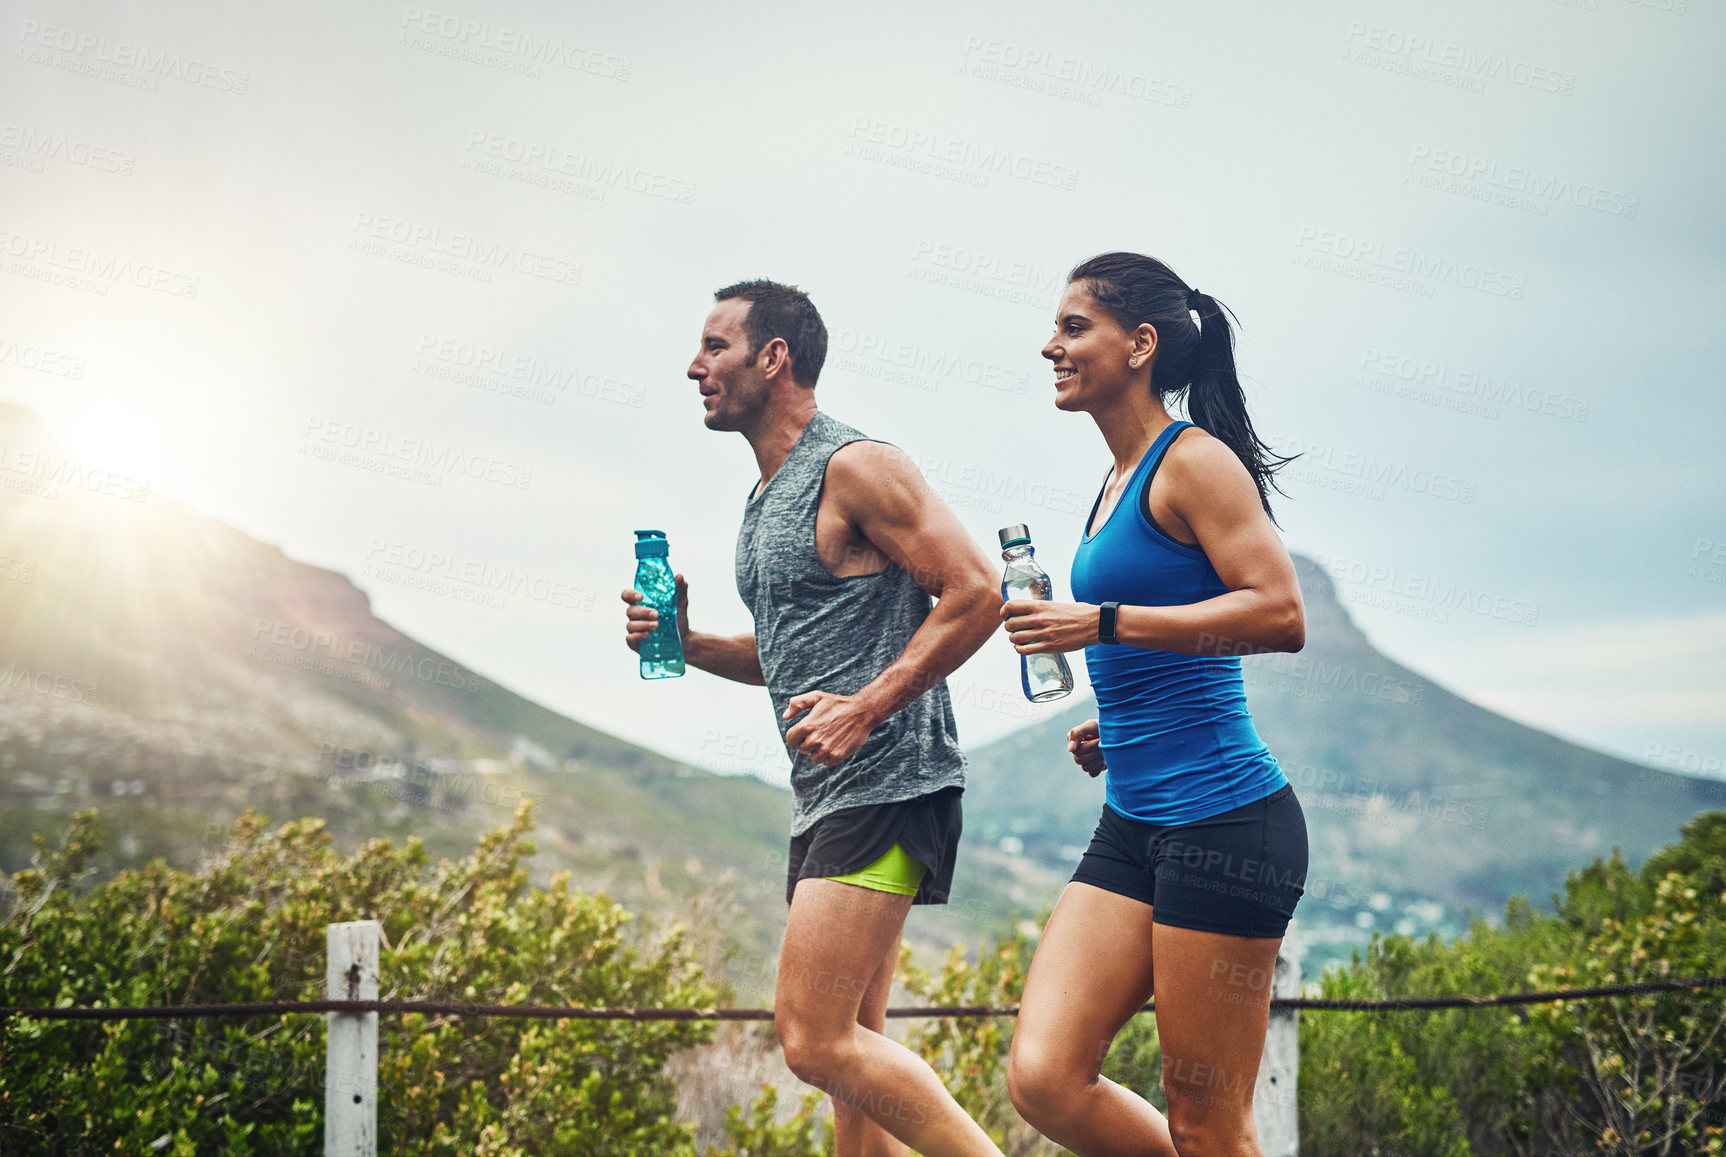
<point x="1106" y="623"/>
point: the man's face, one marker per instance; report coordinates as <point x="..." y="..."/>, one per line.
<point x="733" y="391"/>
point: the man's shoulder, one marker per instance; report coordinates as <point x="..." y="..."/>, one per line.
<point x="869" y="467"/>
<point x="831" y="429"/>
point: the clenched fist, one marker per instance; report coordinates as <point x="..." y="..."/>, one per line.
<point x="1085" y="742"/>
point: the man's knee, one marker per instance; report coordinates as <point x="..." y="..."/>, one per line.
<point x="811" y="1052"/>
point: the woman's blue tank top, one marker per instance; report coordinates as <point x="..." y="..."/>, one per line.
<point x="1175" y="731"/>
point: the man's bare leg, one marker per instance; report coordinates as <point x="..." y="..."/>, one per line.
<point x="835" y="942"/>
<point x="853" y="1131"/>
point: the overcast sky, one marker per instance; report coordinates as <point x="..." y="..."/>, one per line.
<point x="282" y="260"/>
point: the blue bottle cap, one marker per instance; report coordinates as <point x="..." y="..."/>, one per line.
<point x="651" y="544"/>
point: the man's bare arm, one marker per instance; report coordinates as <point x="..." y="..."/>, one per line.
<point x="728" y="656"/>
<point x="879" y="489"/>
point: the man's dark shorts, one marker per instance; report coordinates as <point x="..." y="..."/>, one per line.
<point x="852" y="838"/>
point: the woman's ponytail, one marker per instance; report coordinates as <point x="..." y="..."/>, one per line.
<point x="1216" y="402"/>
<point x="1193" y="359"/>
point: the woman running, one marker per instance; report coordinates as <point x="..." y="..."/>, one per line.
<point x="1201" y="852"/>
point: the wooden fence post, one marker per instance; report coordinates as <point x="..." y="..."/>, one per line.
<point x="351" y="1057"/>
<point x="1276" y="1103"/>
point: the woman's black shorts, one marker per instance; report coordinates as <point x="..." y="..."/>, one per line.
<point x="1241" y="872"/>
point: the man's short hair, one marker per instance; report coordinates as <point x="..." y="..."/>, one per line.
<point x="784" y="312"/>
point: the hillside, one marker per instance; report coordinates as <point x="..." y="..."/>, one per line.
<point x="171" y="671"/>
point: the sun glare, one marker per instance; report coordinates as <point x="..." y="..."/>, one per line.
<point x="123" y="438"/>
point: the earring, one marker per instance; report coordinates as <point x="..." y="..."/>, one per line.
<point x="1134" y="362"/>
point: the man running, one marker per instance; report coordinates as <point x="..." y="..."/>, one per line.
<point x="842" y="546"/>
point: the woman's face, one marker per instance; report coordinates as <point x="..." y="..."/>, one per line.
<point x="1092" y="354"/>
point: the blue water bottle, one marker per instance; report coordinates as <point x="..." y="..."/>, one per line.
<point x="662" y="651"/>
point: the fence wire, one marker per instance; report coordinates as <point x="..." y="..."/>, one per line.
<point x="555" y="1012"/>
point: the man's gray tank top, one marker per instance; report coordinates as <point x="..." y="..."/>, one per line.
<point x="816" y="631"/>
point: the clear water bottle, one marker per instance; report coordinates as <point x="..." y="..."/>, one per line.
<point x="662" y="651"/>
<point x="1045" y="677"/>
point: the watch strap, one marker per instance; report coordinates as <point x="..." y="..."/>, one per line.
<point x="1106" y="622"/>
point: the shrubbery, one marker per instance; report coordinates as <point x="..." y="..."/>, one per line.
<point x="250" y="926"/>
<point x="1634" y="1075"/>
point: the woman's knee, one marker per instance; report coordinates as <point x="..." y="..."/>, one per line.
<point x="1041" y="1088"/>
<point x="1209" y="1134"/>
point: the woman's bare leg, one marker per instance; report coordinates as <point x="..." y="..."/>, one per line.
<point x="1091" y="973"/>
<point x="1213" y="1003"/>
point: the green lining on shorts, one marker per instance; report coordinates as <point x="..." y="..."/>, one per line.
<point x="894" y="872"/>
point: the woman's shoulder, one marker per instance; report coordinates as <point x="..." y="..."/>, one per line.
<point x="1195" y="445"/>
<point x="1200" y="457"/>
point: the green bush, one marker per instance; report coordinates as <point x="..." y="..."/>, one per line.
<point x="1640" y="1076"/>
<point x="1629" y="1075"/>
<point x="250" y="926"/>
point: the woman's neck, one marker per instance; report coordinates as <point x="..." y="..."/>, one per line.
<point x="1130" y="426"/>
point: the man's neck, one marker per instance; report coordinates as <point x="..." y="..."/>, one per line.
<point x="777" y="433"/>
